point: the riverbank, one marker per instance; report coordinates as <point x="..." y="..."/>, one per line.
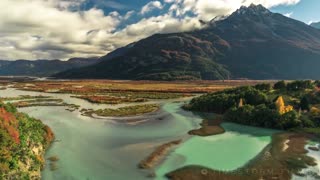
<point x="159" y="153"/>
<point x="24" y="142"/>
<point x="209" y="128"/>
<point x="274" y="162"/>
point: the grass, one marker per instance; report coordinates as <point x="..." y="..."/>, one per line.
<point x="23" y="97"/>
<point x="39" y="102"/>
<point x="129" y="97"/>
<point x="86" y="87"/>
<point x="124" y="111"/>
<point x="105" y="99"/>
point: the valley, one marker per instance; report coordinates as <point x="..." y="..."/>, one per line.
<point x="161" y="90"/>
<point x="162" y="140"/>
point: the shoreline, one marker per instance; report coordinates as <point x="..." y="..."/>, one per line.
<point x="158" y="154"/>
<point x="272" y="162"/>
<point x="209" y="128"/>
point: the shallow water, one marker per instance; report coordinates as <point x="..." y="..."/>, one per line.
<point x="224" y="152"/>
<point x="311" y="171"/>
<point x="97" y="149"/>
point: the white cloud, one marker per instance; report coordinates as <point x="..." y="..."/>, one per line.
<point x="208" y="9"/>
<point x="60" y="30"/>
<point x="288" y="14"/>
<point x="47" y="29"/>
<point x="129" y="14"/>
<point x="151" y="6"/>
<point x="310" y="22"/>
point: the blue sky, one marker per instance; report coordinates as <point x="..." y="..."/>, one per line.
<point x="305" y="10"/>
<point x="61" y="29"/>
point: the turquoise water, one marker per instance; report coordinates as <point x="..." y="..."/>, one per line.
<point x="224" y="152"/>
<point x="95" y="149"/>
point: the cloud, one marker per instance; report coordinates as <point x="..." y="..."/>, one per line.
<point x="87" y="4"/>
<point x="129" y="14"/>
<point x="310" y="22"/>
<point x="52" y="29"/>
<point x="288" y="14"/>
<point x="208" y="9"/>
<point x="151" y="6"/>
<point x="21" y="21"/>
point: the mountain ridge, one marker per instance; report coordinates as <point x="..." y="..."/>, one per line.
<point x="315" y="25"/>
<point x="251" y="43"/>
<point x="42" y="67"/>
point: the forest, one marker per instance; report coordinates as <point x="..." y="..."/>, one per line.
<point x="282" y="105"/>
<point x="23" y="141"/>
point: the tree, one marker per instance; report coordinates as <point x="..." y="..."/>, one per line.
<point x="305" y="104"/>
<point x="300" y="85"/>
<point x="281" y="107"/>
<point x="241" y="103"/>
<point x="289" y="120"/>
<point x="263" y="87"/>
<point x="280" y="85"/>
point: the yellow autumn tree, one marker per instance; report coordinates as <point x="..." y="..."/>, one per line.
<point x="240" y="103"/>
<point x="281" y="107"/>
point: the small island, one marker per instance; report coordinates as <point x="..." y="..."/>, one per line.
<point x="123" y="111"/>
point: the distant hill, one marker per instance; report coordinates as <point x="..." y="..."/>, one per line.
<point x="316" y="25"/>
<point x="251" y="43"/>
<point x="42" y="67"/>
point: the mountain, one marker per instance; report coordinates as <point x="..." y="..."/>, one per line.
<point x="42" y="67"/>
<point x="251" y="43"/>
<point x="316" y="25"/>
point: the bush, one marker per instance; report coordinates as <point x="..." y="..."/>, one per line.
<point x="220" y="102"/>
<point x="260" y="116"/>
<point x="263" y="87"/>
<point x="19" y="133"/>
<point x="317" y="83"/>
<point x="305" y="104"/>
<point x="289" y="120"/>
<point x="240" y="115"/>
<point x="300" y="85"/>
<point x="280" y="85"/>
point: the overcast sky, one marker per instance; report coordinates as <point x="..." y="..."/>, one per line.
<point x="60" y="29"/>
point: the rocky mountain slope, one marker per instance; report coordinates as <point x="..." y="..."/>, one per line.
<point x="316" y="25"/>
<point x="251" y="43"/>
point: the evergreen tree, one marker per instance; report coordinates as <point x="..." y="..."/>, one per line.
<point x="280" y="85"/>
<point x="305" y="104"/>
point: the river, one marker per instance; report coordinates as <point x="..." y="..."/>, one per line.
<point x="99" y="149"/>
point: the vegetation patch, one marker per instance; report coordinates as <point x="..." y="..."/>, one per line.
<point x="102" y="99"/>
<point x="23" y="97"/>
<point x="93" y="87"/>
<point x="283" y="106"/>
<point x="208" y="128"/>
<point x="23" y="141"/>
<point x="39" y="102"/>
<point x="158" y="154"/>
<point x="124" y="111"/>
